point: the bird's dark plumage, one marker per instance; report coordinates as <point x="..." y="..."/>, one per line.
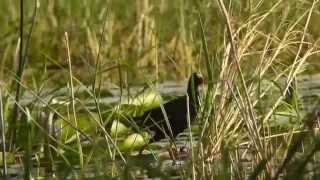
<point x="176" y="112"/>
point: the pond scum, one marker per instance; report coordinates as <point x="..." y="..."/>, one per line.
<point x="73" y="74"/>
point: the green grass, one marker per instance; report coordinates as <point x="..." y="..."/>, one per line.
<point x="251" y="52"/>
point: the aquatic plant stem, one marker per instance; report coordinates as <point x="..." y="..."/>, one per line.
<point x="73" y="99"/>
<point x="4" y="161"/>
<point x="191" y="141"/>
<point x="96" y="92"/>
<point x="12" y="127"/>
<point x="22" y="61"/>
<point x="28" y="152"/>
<point x="252" y="126"/>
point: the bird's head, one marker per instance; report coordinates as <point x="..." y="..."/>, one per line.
<point x="195" y="85"/>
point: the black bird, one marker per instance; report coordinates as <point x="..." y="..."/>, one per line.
<point x="172" y="118"/>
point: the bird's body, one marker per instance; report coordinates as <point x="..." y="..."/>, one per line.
<point x="174" y="112"/>
<point x="171" y="118"/>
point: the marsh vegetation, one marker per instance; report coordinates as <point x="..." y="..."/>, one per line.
<point x="74" y="74"/>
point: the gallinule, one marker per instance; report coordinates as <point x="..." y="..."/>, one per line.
<point x="171" y="118"/>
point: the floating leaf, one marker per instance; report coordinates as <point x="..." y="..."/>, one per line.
<point x="134" y="141"/>
<point x="118" y="128"/>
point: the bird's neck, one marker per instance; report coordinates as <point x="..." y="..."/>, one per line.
<point x="193" y="97"/>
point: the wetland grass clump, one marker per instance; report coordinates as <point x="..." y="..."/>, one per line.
<point x="253" y="123"/>
<point x="237" y="118"/>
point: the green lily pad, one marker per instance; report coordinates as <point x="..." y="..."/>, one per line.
<point x="86" y="122"/>
<point x="118" y="128"/>
<point x="137" y="105"/>
<point x="134" y="141"/>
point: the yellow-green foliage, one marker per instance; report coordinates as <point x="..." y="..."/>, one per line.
<point x="87" y="123"/>
<point x="150" y="39"/>
<point x="118" y="128"/>
<point x="133" y="142"/>
<point x="135" y="106"/>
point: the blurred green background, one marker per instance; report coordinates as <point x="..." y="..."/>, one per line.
<point x="146" y="39"/>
